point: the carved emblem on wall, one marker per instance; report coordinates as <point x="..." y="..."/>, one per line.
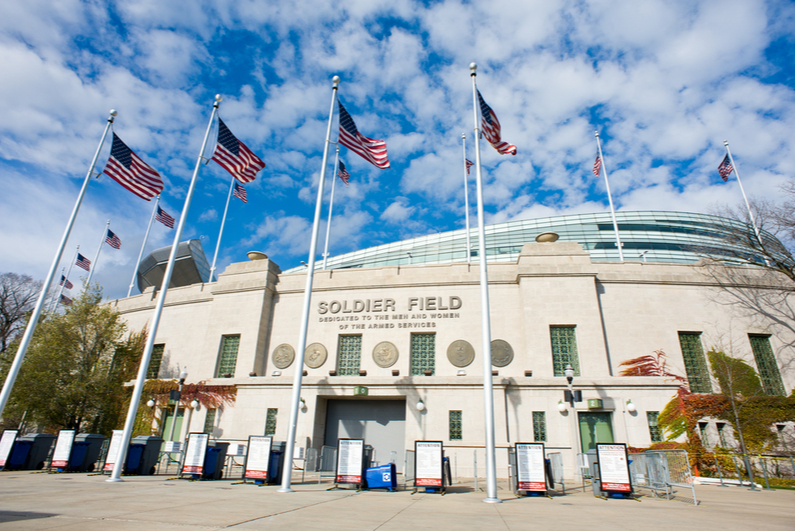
<point x="385" y="354"/>
<point x="283" y="356"/>
<point x="460" y="353"/>
<point x="315" y="355"/>
<point x="501" y="353"/>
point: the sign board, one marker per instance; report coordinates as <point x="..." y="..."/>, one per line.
<point x="7" y="444"/>
<point x="530" y="467"/>
<point x="114" y="449"/>
<point x="613" y="467"/>
<point x="258" y="458"/>
<point x="360" y="390"/>
<point x="236" y="450"/>
<point x="194" y="453"/>
<point x="350" y="460"/>
<point x="594" y="403"/>
<point x="428" y="459"/>
<point x="63" y="448"/>
<point x="172" y="446"/>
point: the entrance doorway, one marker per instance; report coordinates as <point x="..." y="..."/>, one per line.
<point x="595" y="427"/>
<point x="381" y="423"/>
<point x="169" y="414"/>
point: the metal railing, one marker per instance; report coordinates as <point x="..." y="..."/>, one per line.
<point x="662" y="471"/>
<point x="408" y="468"/>
<point x="327" y="464"/>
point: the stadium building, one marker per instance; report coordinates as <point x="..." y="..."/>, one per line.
<point x="394" y="340"/>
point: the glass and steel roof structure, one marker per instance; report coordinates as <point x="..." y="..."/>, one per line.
<point x="653" y="236"/>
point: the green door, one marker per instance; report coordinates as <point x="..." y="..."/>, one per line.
<point x="177" y="428"/>
<point x="595" y="428"/>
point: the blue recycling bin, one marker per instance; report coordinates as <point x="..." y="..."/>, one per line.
<point x="77" y="456"/>
<point x="19" y="455"/>
<point x="134" y="455"/>
<point x="277" y="461"/>
<point x="214" y="461"/>
<point x="381" y="477"/>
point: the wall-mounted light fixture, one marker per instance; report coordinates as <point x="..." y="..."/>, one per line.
<point x="420" y="405"/>
<point x="150" y="403"/>
<point x="276" y="373"/>
<point x="461" y="372"/>
<point x="561" y="406"/>
<point x="194" y="404"/>
<point x="630" y="406"/>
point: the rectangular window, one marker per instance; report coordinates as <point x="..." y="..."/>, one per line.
<point x="423" y="354"/>
<point x="350" y="355"/>
<point x="154" y="363"/>
<point x="722" y="435"/>
<point x="270" y="421"/>
<point x="766" y="364"/>
<point x="654" y="428"/>
<point x="227" y="359"/>
<point x="456" y="430"/>
<point x="702" y="430"/>
<point x="539" y="426"/>
<point x="564" y="349"/>
<point x="209" y="421"/>
<point x="695" y="362"/>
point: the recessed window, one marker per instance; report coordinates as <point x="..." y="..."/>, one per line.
<point x="270" y="421"/>
<point x="695" y="362"/>
<point x="423" y="354"/>
<point x="227" y="359"/>
<point x="654" y="429"/>
<point x="209" y="421"/>
<point x="350" y="355"/>
<point x="766" y="364"/>
<point x="154" y="363"/>
<point x="456" y="428"/>
<point x="539" y="426"/>
<point x="564" y="349"/>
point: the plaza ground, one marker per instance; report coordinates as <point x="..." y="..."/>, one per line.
<point x="35" y="500"/>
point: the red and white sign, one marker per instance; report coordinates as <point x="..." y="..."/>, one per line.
<point x="195" y="452"/>
<point x="258" y="458"/>
<point x="6" y="444"/>
<point x="350" y="460"/>
<point x="63" y="449"/>
<point x="428" y="458"/>
<point x="613" y="467"/>
<point x="530" y="467"/>
<point x="113" y="450"/>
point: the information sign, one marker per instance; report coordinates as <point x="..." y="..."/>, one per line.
<point x="6" y="444"/>
<point x="258" y="457"/>
<point x="172" y="446"/>
<point x="428" y="459"/>
<point x="236" y="450"/>
<point x="114" y="449"/>
<point x="350" y="460"/>
<point x="194" y="453"/>
<point x="63" y="449"/>
<point x="530" y="467"/>
<point x="613" y="467"/>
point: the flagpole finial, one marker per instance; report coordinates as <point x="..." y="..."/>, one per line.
<point x="336" y="81"/>
<point x="113" y="115"/>
<point x="463" y="136"/>
<point x="726" y="143"/>
<point x="218" y="98"/>
<point x="473" y="67"/>
<point x="596" y="134"/>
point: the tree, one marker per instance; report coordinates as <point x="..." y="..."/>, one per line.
<point x="18" y="294"/>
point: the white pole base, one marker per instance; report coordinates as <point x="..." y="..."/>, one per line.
<point x="285" y="489"/>
<point x="492" y="500"/>
<point x="114" y="480"/>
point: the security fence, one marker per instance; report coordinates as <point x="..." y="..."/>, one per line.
<point x="728" y="469"/>
<point x="661" y="472"/>
<point x="327" y="463"/>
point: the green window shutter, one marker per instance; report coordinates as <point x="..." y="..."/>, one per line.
<point x="270" y="422"/>
<point x="423" y="354"/>
<point x="209" y="421"/>
<point x="695" y="362"/>
<point x="766" y="365"/>
<point x="153" y="370"/>
<point x="227" y="360"/>
<point x="350" y="355"/>
<point x="539" y="426"/>
<point x="564" y="349"/>
<point x="654" y="428"/>
<point x="456" y="426"/>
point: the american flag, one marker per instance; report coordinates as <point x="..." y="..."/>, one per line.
<point x="240" y="193"/>
<point x="343" y="173"/>
<point x="66" y="301"/>
<point x="491" y="129"/>
<point x="235" y="157"/>
<point x="469" y="164"/>
<point x="127" y="169"/>
<point x="83" y="262"/>
<point x="373" y="151"/>
<point x="113" y="240"/>
<point x="163" y="217"/>
<point x="725" y="168"/>
<point x="597" y="165"/>
<point x="65" y="283"/>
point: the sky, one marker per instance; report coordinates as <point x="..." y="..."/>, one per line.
<point x="664" y="83"/>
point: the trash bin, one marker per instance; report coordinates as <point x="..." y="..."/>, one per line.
<point x="133" y="463"/>
<point x="381" y="477"/>
<point x="148" y="456"/>
<point x="93" y="447"/>
<point x="19" y="455"/>
<point x="214" y="461"/>
<point x="39" y="449"/>
<point x="76" y="457"/>
<point x="276" y="463"/>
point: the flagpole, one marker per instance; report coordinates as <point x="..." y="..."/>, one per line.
<point x="609" y="197"/>
<point x="161" y="299"/>
<point x="96" y="257"/>
<point x="143" y="246"/>
<point x="34" y="317"/>
<point x="55" y="302"/>
<point x="301" y="347"/>
<point x="331" y="204"/>
<point x="466" y="197"/>
<point x="488" y="389"/>
<point x="221" y="232"/>
<point x="60" y="292"/>
<point x="745" y="198"/>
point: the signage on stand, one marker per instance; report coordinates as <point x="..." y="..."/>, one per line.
<point x="350" y="460"/>
<point x="613" y="467"/>
<point x="194" y="453"/>
<point x="6" y="445"/>
<point x="113" y="450"/>
<point x="530" y="467"/>
<point x="63" y="449"/>
<point x="428" y="459"/>
<point x="258" y="457"/>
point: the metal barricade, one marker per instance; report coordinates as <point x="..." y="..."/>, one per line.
<point x="327" y="463"/>
<point x="583" y="469"/>
<point x="408" y="468"/>
<point x="556" y="466"/>
<point x="662" y="470"/>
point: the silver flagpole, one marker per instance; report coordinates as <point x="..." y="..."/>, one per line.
<point x="60" y="291"/>
<point x="488" y="388"/>
<point x="331" y="204"/>
<point x="466" y="197"/>
<point x="299" y="354"/>
<point x="45" y="288"/>
<point x="161" y="299"/>
<point x="96" y="257"/>
<point x="55" y="302"/>
<point x="221" y="232"/>
<point x="747" y="205"/>
<point x="609" y="197"/>
<point x="143" y="246"/>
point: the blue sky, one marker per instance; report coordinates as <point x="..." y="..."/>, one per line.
<point x="665" y="82"/>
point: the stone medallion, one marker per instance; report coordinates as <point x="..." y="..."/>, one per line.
<point x="501" y="353"/>
<point x="385" y="354"/>
<point x="315" y="355"/>
<point x="283" y="356"/>
<point x="460" y="353"/>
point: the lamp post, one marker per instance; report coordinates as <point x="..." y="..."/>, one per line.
<point x="569" y="373"/>
<point x="182" y="376"/>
